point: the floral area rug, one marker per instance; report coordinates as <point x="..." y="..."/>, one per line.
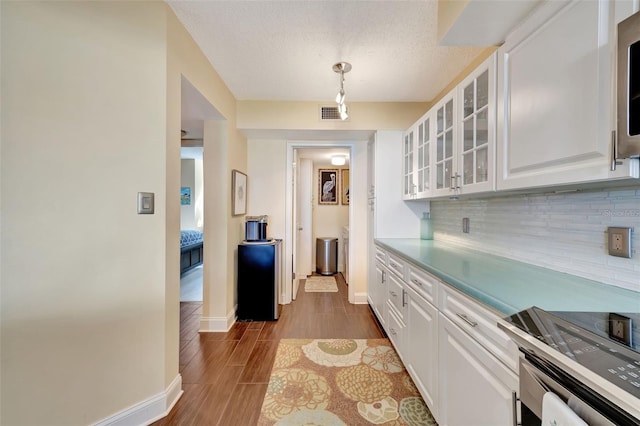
<point x="320" y="284"/>
<point x="341" y="382"/>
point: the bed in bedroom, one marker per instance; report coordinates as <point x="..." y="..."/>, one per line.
<point x="190" y="250"/>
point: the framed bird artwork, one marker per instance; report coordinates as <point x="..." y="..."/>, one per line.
<point x="328" y="186"/>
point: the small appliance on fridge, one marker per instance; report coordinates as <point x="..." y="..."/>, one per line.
<point x="259" y="275"/>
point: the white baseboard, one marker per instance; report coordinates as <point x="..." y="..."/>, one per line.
<point x="211" y="324"/>
<point x="149" y="410"/>
<point x="360" y="299"/>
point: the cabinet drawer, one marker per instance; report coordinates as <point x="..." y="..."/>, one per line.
<point x="381" y="255"/>
<point x="423" y="283"/>
<point x="397" y="265"/>
<point x="396" y="295"/>
<point x="480" y="323"/>
<point x="395" y="329"/>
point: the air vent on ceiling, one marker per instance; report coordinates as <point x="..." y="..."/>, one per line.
<point x="329" y="113"/>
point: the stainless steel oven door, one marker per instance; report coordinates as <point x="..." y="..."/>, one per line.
<point x="534" y="383"/>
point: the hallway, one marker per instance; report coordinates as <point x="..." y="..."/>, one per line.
<point x="225" y="375"/>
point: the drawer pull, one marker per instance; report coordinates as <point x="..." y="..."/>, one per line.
<point x="467" y="320"/>
<point x="393" y="331"/>
<point x="404" y="303"/>
<point x="417" y="282"/>
<point x="383" y="276"/>
<point x="394" y="265"/>
<point x="393" y="293"/>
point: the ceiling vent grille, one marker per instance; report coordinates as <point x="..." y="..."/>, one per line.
<point x="329" y="113"/>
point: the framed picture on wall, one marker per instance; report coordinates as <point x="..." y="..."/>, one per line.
<point x="344" y="187"/>
<point x="185" y="196"/>
<point x="328" y="186"/>
<point x="238" y="193"/>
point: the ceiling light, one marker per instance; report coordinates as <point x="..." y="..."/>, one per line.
<point x="341" y="68"/>
<point x="338" y="160"/>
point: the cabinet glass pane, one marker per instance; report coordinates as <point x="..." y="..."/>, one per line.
<point x="420" y="181"/>
<point x="426" y="130"/>
<point x="440" y="120"/>
<point x="440" y="148"/>
<point x="467" y="129"/>
<point x="448" y="116"/>
<point x="448" y="144"/>
<point x="467" y="172"/>
<point x="426" y="155"/>
<point x="482" y="128"/>
<point x="447" y="174"/>
<point x="439" y="176"/>
<point x="468" y="101"/>
<point x="425" y="178"/>
<point x="420" y="157"/>
<point x="482" y="167"/>
<point x="410" y="167"/>
<point x="420" y="133"/>
<point x="482" y="84"/>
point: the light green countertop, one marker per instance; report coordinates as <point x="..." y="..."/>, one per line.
<point x="510" y="286"/>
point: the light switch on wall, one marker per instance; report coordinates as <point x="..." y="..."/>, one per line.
<point x="145" y="202"/>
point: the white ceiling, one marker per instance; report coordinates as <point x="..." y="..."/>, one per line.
<point x="285" y="50"/>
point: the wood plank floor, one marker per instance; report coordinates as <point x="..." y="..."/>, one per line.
<point x="225" y="375"/>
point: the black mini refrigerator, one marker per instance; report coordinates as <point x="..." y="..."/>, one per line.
<point x="259" y="280"/>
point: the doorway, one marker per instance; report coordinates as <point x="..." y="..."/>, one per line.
<point x="319" y="208"/>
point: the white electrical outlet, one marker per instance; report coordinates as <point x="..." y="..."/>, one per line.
<point x="619" y="241"/>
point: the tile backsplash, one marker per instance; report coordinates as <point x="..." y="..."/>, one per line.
<point x="565" y="231"/>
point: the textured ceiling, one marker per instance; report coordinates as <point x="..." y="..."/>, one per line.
<point x="285" y="50"/>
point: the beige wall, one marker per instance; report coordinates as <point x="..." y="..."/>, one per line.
<point x="90" y="289"/>
<point x="227" y="151"/>
<point x="305" y="115"/>
<point x="83" y="282"/>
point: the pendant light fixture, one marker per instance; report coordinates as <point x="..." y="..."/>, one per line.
<point x="342" y="68"/>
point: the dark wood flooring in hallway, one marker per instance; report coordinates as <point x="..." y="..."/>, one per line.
<point x="225" y="375"/>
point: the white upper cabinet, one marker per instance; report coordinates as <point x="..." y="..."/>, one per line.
<point x="408" y="185"/>
<point x="465" y="135"/>
<point x="423" y="157"/>
<point x="417" y="145"/>
<point x="477" y="97"/>
<point x="445" y="134"/>
<point x="556" y="96"/>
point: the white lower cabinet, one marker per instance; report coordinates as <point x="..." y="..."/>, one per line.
<point x="474" y="387"/>
<point x="462" y="364"/>
<point x="377" y="295"/>
<point x="421" y="343"/>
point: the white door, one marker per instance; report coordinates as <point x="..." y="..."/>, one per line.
<point x="303" y="191"/>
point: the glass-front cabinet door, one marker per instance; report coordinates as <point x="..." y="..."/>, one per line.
<point x="445" y="134"/>
<point x="423" y="157"/>
<point x="408" y="185"/>
<point x="476" y="147"/>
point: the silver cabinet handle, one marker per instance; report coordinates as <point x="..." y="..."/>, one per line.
<point x="467" y="320"/>
<point x="514" y="406"/>
<point x="452" y="187"/>
<point x="393" y="331"/>
<point x="614" y="152"/>
<point x="394" y="265"/>
<point x="383" y="276"/>
<point x="404" y="302"/>
<point x="393" y="293"/>
<point x="417" y="282"/>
